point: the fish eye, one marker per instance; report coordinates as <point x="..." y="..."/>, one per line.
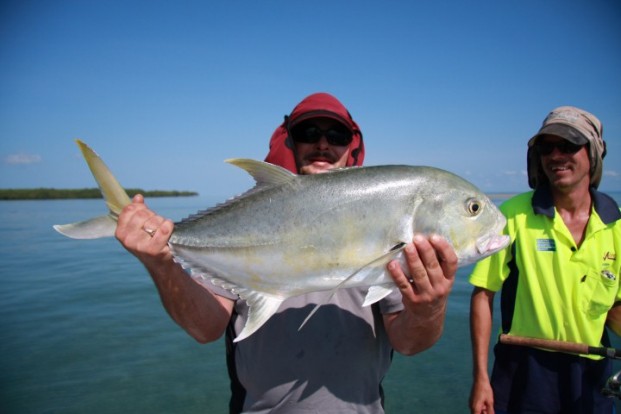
<point x="474" y="206"/>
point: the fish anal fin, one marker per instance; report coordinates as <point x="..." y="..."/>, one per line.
<point x="261" y="308"/>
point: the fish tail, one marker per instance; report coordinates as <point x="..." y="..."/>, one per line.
<point x="113" y="193"/>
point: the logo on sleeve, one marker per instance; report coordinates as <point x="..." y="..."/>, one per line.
<point x="546" y="245"/>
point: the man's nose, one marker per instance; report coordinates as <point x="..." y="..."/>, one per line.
<point x="323" y="142"/>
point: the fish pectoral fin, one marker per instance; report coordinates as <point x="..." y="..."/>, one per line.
<point x="377" y="293"/>
<point x="315" y="309"/>
<point x="102" y="226"/>
<point x="374" y="294"/>
<point x="363" y="271"/>
<point x="261" y="308"/>
<point x="397" y="247"/>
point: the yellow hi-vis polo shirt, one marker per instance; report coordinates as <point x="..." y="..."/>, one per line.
<point x="552" y="289"/>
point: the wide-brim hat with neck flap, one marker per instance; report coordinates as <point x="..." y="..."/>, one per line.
<point x="574" y="125"/>
<point x="317" y="105"/>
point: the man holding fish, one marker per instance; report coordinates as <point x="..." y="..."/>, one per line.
<point x="337" y="361"/>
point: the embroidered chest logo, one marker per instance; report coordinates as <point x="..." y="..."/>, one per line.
<point x="546" y="245"/>
<point x="612" y="256"/>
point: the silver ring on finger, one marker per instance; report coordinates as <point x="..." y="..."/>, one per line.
<point x="151" y="232"/>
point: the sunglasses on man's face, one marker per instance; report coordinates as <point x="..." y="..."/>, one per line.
<point x="564" y="146"/>
<point x="311" y="134"/>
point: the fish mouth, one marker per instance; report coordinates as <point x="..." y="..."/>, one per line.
<point x="489" y="245"/>
<point x="485" y="246"/>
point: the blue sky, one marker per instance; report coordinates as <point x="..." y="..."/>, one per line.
<point x="165" y="91"/>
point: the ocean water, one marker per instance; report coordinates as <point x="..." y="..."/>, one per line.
<point x="83" y="331"/>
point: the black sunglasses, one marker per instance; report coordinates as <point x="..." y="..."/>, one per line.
<point x="311" y="134"/>
<point x="564" y="146"/>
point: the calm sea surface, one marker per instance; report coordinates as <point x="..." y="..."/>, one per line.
<point x="83" y="330"/>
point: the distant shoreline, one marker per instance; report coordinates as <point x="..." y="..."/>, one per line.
<point x="92" y="193"/>
<point x="81" y="193"/>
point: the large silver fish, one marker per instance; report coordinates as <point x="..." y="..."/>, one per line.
<point x="293" y="234"/>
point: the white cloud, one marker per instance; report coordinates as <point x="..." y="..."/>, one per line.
<point x="15" y="159"/>
<point x="609" y="173"/>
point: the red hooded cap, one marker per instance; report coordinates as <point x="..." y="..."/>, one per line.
<point x="317" y="105"/>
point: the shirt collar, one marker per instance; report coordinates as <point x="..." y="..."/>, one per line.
<point x="605" y="206"/>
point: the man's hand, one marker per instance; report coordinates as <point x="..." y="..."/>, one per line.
<point x="431" y="264"/>
<point x="144" y="234"/>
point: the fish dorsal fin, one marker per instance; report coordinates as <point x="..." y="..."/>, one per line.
<point x="263" y="173"/>
<point x="115" y="196"/>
